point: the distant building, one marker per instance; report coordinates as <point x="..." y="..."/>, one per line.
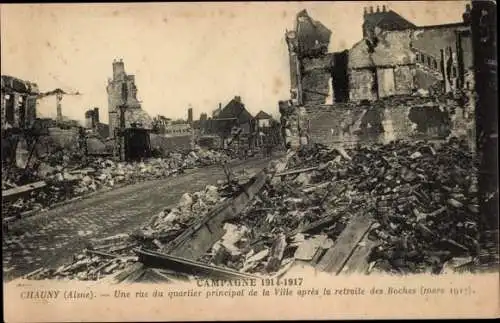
<point x="92" y="122"/>
<point x="263" y="119"/>
<point x="178" y="130"/>
<point x="234" y="114"/>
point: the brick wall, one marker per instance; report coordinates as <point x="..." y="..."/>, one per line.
<point x="404" y="79"/>
<point x="393" y="48"/>
<point x="342" y="123"/>
<point x="171" y="144"/>
<point x="316" y="79"/>
<point x="361" y="83"/>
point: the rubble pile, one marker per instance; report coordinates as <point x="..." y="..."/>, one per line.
<point x="422" y="197"/>
<point x="64" y="182"/>
<point x="107" y="256"/>
<point x="170" y="222"/>
<point x="100" y="259"/>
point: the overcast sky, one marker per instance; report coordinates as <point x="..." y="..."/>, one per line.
<point x="182" y="54"/>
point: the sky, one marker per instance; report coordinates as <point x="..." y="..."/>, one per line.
<point x="182" y="54"/>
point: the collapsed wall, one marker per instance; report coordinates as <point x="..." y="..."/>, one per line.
<point x="391" y="119"/>
<point x="382" y="121"/>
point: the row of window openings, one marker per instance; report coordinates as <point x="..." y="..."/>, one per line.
<point x="432" y="63"/>
<point x="178" y="131"/>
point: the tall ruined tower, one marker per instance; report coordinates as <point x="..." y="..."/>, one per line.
<point x="310" y="63"/>
<point x="122" y="91"/>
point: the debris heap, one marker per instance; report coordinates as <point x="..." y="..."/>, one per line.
<point x="422" y="198"/>
<point x="63" y="183"/>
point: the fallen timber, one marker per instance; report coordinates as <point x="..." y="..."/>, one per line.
<point x="347" y="254"/>
<point x="179" y="264"/>
<point x="199" y="238"/>
<point x="15" y="192"/>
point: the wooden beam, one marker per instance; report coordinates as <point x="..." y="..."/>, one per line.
<point x="14" y="192"/>
<point x="297" y="171"/>
<point x="199" y="238"/>
<point x="358" y="262"/>
<point x="337" y="256"/>
<point x="159" y="260"/>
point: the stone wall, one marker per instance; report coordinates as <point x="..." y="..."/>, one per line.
<point x="171" y="144"/>
<point x="361" y="85"/>
<point x="389" y="119"/>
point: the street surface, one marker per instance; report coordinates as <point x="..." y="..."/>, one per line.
<point x="51" y="238"/>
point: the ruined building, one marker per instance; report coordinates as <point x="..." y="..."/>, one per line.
<point x="395" y="57"/>
<point x="122" y="92"/>
<point x="310" y="64"/>
<point x="375" y="85"/>
<point x="92" y="122"/>
<point x="18" y="102"/>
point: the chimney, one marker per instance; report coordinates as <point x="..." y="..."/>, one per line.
<point x="118" y="70"/>
<point x="371" y="9"/>
<point x="466" y="15"/>
<point x="220" y="105"/>
<point x="59" y="107"/>
<point x="96" y="115"/>
<point x="237" y="99"/>
<point x="365" y="11"/>
<point x="190" y="116"/>
<point x="384" y="8"/>
<point x="378" y="8"/>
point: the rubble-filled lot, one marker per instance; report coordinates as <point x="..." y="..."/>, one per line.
<point x="421" y="200"/>
<point x="64" y="178"/>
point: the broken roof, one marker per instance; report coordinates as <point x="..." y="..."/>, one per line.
<point x="311" y="33"/>
<point x="15" y="84"/>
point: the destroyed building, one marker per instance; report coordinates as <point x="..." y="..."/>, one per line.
<point x="395" y="57"/>
<point x="92" y="122"/>
<point x="18" y="102"/>
<point x="373" y="87"/>
<point x="122" y="92"/>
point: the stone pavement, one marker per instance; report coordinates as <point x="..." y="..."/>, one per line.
<point x="51" y="238"/>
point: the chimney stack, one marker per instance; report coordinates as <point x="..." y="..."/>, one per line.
<point x="371" y="9"/>
<point x="384" y="8"/>
<point x="378" y="8"/>
<point x="466" y="15"/>
<point x="96" y="115"/>
<point x="190" y="116"/>
<point x="365" y="11"/>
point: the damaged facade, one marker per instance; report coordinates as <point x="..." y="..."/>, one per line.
<point x="122" y="92"/>
<point x="18" y="102"/>
<point x="395" y="57"/>
<point x="373" y="87"/>
<point x="93" y="123"/>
